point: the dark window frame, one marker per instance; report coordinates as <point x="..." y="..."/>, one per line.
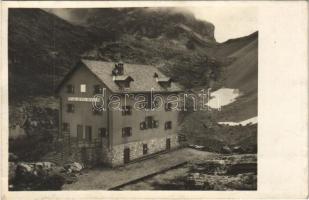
<point x="126" y="110"/>
<point x="70" y="89"/>
<point x="96" y="111"/>
<point x="155" y="124"/>
<point x="142" y="126"/>
<point x="102" y="132"/>
<point x="80" y="137"/>
<point x="70" y="108"/>
<point x="168" y="106"/>
<point x="127" y="132"/>
<point x="66" y="127"/>
<point x="149" y="121"/>
<point x="88" y="133"/>
<point x="168" y="125"/>
<point x="145" y="149"/>
<point x="98" y="89"/>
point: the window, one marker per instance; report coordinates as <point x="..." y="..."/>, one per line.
<point x="168" y="106"/>
<point x="98" y="89"/>
<point x="168" y="125"/>
<point x="70" y="89"/>
<point x="102" y="132"/>
<point x="126" y="132"/>
<point x="142" y="125"/>
<point x="145" y="149"/>
<point x="80" y="132"/>
<point x="157" y="103"/>
<point x="70" y="108"/>
<point x="88" y="133"/>
<point x="97" y="111"/>
<point x="66" y="127"/>
<point x="142" y="105"/>
<point x="126" y="110"/>
<point x="148" y="99"/>
<point x="155" y="123"/>
<point x="149" y="122"/>
<point x="83" y="88"/>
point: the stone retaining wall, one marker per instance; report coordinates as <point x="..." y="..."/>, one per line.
<point x="136" y="148"/>
<point x="91" y="155"/>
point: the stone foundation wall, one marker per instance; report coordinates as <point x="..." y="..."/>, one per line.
<point x="136" y="148"/>
<point x="90" y="155"/>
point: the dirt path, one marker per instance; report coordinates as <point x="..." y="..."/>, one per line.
<point x="104" y="179"/>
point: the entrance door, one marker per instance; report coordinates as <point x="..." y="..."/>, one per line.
<point x="145" y="149"/>
<point x="168" y="144"/>
<point x="88" y="133"/>
<point x="80" y="132"/>
<point x="126" y="155"/>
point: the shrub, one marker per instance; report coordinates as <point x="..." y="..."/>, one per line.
<point x="32" y="148"/>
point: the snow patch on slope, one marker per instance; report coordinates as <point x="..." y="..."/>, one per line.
<point x="222" y="97"/>
<point x="252" y="120"/>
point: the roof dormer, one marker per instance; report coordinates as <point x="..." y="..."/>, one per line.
<point x="118" y="70"/>
<point x="123" y="81"/>
<point x="164" y="81"/>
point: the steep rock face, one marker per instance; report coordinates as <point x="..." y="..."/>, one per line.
<point x="42" y="48"/>
<point x="241" y="74"/>
<point x="146" y="22"/>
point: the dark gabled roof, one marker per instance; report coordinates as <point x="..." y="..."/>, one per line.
<point x="141" y="76"/>
<point x="123" y="78"/>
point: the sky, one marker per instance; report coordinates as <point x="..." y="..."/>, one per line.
<point x="230" y="22"/>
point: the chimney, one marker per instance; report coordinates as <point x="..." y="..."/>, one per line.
<point x="118" y="70"/>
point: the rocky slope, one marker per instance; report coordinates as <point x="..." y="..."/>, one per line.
<point x="241" y="74"/>
<point x="42" y="48"/>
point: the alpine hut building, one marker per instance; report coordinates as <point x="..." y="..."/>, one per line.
<point x="104" y="134"/>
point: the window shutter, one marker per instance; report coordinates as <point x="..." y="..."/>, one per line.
<point x="130" y="131"/>
<point x="166" y="107"/>
<point x="123" y="112"/>
<point x="142" y="125"/>
<point x="102" y="132"/>
<point x="156" y="123"/>
<point x="168" y="125"/>
<point x="94" y="89"/>
<point x="145" y="125"/>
